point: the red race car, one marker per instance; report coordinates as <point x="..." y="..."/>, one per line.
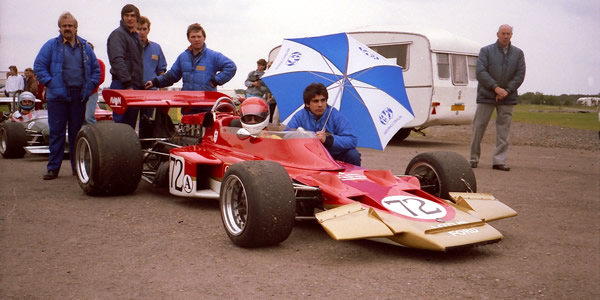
<point x="266" y="182"/>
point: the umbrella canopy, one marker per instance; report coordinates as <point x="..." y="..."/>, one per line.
<point x="363" y="85"/>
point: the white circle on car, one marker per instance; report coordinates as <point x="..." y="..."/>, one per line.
<point x="414" y="207"/>
<point x="215" y="136"/>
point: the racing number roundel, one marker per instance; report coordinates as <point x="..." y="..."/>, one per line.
<point x="415" y="207"/>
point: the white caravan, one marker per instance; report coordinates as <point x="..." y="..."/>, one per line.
<point x="439" y="74"/>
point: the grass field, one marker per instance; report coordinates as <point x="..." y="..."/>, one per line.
<point x="566" y="116"/>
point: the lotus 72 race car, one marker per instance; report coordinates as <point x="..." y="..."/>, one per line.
<point x="266" y="182"/>
<point x="30" y="134"/>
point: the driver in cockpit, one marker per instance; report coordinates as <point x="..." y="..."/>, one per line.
<point x="254" y="116"/>
<point x="26" y="107"/>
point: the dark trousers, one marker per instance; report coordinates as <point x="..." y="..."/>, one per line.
<point x="64" y="114"/>
<point x="351" y="156"/>
<point x="131" y="114"/>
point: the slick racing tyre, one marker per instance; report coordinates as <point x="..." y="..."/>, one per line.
<point x="258" y="205"/>
<point x="108" y="159"/>
<point x="442" y="172"/>
<point x="12" y="140"/>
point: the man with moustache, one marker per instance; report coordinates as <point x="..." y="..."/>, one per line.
<point x="125" y="57"/>
<point x="68" y="67"/>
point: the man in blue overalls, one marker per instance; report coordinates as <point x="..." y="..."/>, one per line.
<point x="68" y="67"/>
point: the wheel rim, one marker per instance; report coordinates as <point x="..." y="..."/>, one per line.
<point x="234" y="205"/>
<point x="429" y="179"/>
<point x="83" y="165"/>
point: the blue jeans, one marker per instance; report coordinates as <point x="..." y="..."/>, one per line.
<point x="90" y="109"/>
<point x="64" y="114"/>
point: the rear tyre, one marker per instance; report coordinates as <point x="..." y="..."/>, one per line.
<point x="12" y="140"/>
<point x="258" y="205"/>
<point x="108" y="159"/>
<point x="442" y="172"/>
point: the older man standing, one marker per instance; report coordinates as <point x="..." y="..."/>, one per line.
<point x="500" y="72"/>
<point x="68" y="67"/>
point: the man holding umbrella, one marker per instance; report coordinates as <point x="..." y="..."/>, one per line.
<point x="331" y="127"/>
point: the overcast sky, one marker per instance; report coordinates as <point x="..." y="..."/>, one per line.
<point x="560" y="38"/>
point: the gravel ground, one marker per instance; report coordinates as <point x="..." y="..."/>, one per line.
<point x="525" y="134"/>
<point x="58" y="243"/>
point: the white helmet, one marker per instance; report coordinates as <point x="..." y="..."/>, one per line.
<point x="254" y="113"/>
<point x="26" y="96"/>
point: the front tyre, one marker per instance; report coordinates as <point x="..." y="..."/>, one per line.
<point x="442" y="172"/>
<point x="13" y="138"/>
<point x="258" y="205"/>
<point x="108" y="159"/>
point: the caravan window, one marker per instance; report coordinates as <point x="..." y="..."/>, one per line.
<point x="455" y="66"/>
<point x="459" y="69"/>
<point x="396" y="53"/>
<point x="443" y="66"/>
<point x="472" y="60"/>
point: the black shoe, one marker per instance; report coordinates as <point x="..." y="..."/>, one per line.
<point x="473" y="165"/>
<point x="501" y="167"/>
<point x="51" y="174"/>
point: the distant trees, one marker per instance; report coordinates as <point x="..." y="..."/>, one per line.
<point x="562" y="100"/>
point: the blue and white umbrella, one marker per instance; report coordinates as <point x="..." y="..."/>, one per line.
<point x="362" y="84"/>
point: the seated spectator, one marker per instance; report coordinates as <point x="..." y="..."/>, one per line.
<point x="331" y="127"/>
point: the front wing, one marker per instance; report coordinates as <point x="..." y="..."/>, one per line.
<point x="469" y="227"/>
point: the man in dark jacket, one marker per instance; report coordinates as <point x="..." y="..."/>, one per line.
<point x="500" y="72"/>
<point x="68" y="67"/>
<point x="125" y="57"/>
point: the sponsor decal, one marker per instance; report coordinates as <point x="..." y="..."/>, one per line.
<point x="448" y="224"/>
<point x="30" y="125"/>
<point x="368" y="52"/>
<point x="386" y="115"/>
<point x="294" y="58"/>
<point x="351" y="176"/>
<point x="115" y="101"/>
<point x="392" y="124"/>
<point x="462" y="232"/>
<point x="215" y="136"/>
<point x="414" y="207"/>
